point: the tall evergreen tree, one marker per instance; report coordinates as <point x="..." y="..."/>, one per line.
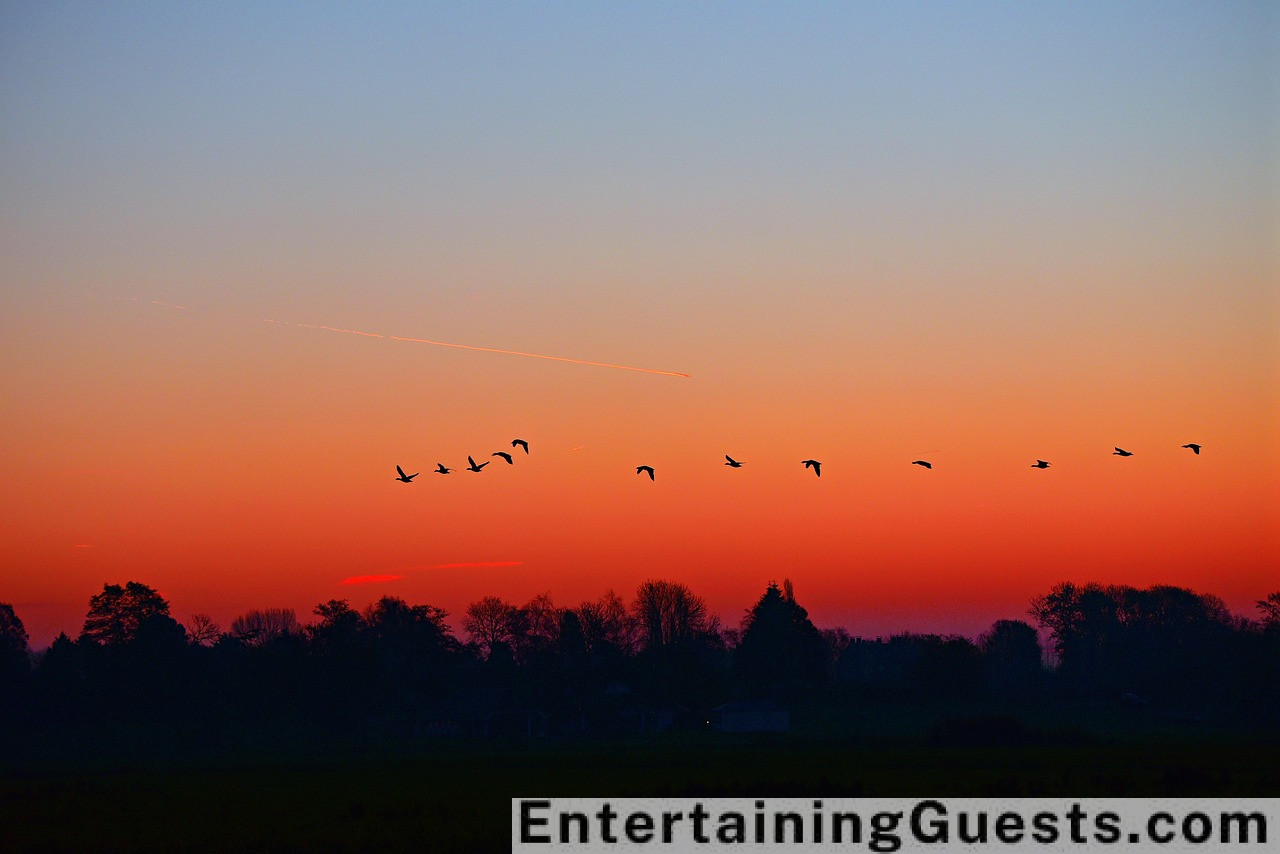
<point x="781" y="649"/>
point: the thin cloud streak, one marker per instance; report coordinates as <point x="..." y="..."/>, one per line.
<point x="477" y="348"/>
<point x="370" y="579"/>
<point x="336" y="329"/>
<point x="539" y="356"/>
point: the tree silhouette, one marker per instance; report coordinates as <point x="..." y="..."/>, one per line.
<point x="203" y="631"/>
<point x="605" y="622"/>
<point x="1163" y="640"/>
<point x="780" y="649"/>
<point x="1270" y="609"/>
<point x="259" y="628"/>
<point x="339" y="627"/>
<point x="490" y="621"/>
<point x="1011" y="650"/>
<point x="668" y="614"/>
<point x="14" y="659"/>
<point x="541" y="625"/>
<point x="116" y="613"/>
<point x="395" y="671"/>
<point x="401" y="630"/>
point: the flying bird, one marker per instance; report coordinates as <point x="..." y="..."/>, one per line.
<point x="1195" y="449"/>
<point x="1121" y="452"/>
<point x="646" y="470"/>
<point x="1039" y="464"/>
<point x="441" y="469"/>
<point x="815" y="465"/>
<point x="732" y="462"/>
<point x="522" y="443"/>
<point x="924" y="463"/>
<point x="504" y="455"/>
<point x="472" y="464"/>
<point x="405" y="478"/>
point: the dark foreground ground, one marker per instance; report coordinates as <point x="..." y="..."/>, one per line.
<point x="455" y="796"/>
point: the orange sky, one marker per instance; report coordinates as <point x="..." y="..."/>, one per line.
<point x="868" y="235"/>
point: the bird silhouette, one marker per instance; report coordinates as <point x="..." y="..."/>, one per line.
<point x="504" y="455"/>
<point x="732" y="462"/>
<point x="1039" y="464"/>
<point x="522" y="443"/>
<point x="815" y="465"/>
<point x="1121" y="452"/>
<point x="405" y="478"/>
<point x="924" y="463"/>
<point x="472" y="464"/>
<point x="441" y="469"/>
<point x="1195" y="449"/>
<point x="646" y="470"/>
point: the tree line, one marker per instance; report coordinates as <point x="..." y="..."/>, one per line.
<point x="395" y="670"/>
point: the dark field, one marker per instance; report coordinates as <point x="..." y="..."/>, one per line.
<point x="455" y="796"/>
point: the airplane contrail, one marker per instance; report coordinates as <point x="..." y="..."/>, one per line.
<point x="336" y="329"/>
<point x="538" y="356"/>
<point x="406" y="339"/>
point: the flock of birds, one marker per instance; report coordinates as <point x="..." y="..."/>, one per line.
<point x="472" y="465"/>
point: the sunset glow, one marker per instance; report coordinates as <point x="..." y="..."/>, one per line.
<point x="864" y="234"/>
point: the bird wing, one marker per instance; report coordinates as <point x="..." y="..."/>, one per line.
<point x="400" y="470"/>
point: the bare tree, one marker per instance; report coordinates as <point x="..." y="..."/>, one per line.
<point x="1270" y="608"/>
<point x="668" y="613"/>
<point x="203" y="631"/>
<point x="257" y="628"/>
<point x="542" y="622"/>
<point x="606" y="621"/>
<point x="490" y="621"/>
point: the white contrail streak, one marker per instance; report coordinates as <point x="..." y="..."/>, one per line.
<point x="538" y="356"/>
<point x="409" y="340"/>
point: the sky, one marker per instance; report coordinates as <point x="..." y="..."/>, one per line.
<point x="869" y="233"/>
